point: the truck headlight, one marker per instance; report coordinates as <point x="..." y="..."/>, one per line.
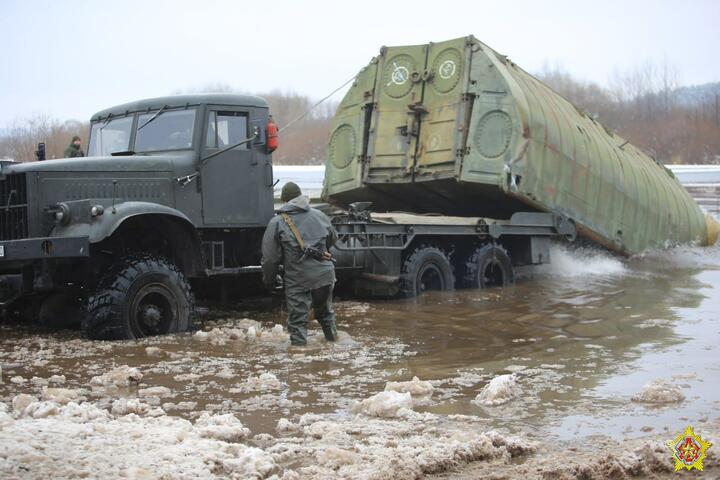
<point x="62" y="214"/>
<point x="97" y="210"/>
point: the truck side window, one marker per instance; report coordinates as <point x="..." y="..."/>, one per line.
<point x="232" y="128"/>
<point x="211" y="134"/>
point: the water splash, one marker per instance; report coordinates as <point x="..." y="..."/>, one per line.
<point x="583" y="262"/>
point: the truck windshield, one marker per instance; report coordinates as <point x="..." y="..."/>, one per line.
<point x="170" y="130"/>
<point x="109" y="137"/>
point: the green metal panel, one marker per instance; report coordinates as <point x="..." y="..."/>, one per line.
<point x="348" y="134"/>
<point x="495" y="139"/>
<point x="494" y="125"/>
<point x="392" y="139"/>
<point x="442" y="113"/>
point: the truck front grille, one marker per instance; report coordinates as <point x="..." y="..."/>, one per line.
<point x="13" y="207"/>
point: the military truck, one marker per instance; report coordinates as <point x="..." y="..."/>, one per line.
<point x="180" y="189"/>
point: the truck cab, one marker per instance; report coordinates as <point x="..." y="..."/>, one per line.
<point x="173" y="188"/>
<point x="195" y="131"/>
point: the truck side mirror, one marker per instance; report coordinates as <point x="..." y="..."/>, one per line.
<point x="258" y="129"/>
<point x="40" y="152"/>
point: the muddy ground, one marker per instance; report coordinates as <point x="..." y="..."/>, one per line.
<point x="584" y="369"/>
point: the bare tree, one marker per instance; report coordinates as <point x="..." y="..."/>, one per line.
<point x="642" y="105"/>
<point x="24" y="134"/>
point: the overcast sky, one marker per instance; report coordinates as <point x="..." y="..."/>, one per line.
<point x="72" y="58"/>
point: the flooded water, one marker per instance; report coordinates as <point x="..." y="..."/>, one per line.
<point x="578" y="340"/>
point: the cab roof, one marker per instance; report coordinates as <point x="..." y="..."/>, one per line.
<point x="174" y="101"/>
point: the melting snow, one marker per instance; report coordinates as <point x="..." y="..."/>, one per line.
<point x="501" y="389"/>
<point x="659" y="392"/>
<point x="385" y="404"/>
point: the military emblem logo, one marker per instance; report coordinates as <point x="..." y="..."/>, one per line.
<point x="688" y="450"/>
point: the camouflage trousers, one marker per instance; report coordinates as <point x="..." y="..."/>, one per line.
<point x="299" y="303"/>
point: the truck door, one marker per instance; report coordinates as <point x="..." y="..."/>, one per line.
<point x="232" y="180"/>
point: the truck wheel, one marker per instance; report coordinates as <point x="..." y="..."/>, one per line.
<point x="140" y="296"/>
<point x="427" y="268"/>
<point x="488" y="266"/>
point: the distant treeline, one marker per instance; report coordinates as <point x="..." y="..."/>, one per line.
<point x="23" y="135"/>
<point x="646" y="106"/>
<point x="673" y="124"/>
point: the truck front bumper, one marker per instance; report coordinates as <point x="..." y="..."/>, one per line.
<point x="22" y="251"/>
<point x="24" y="264"/>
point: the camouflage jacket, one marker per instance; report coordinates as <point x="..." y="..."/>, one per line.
<point x="72" y="151"/>
<point x="279" y="246"/>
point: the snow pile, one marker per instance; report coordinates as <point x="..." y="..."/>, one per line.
<point x="244" y="462"/>
<point x="21" y="402"/>
<point x="263" y="382"/>
<point x="622" y="461"/>
<point x="27" y="406"/>
<point x="501" y="389"/>
<point x="154" y="352"/>
<point x="275" y="333"/>
<point x="221" y="427"/>
<point x="4" y="415"/>
<point x="285" y="426"/>
<point x="333" y="457"/>
<point x="407" y="449"/>
<point x="220" y="335"/>
<point x="658" y="392"/>
<point x="167" y="406"/>
<point x="386" y="404"/>
<point x="421" y="391"/>
<point x="56" y="379"/>
<point x="332" y="433"/>
<point x="154" y="392"/>
<point x="245" y="330"/>
<point x="81" y="441"/>
<point x="122" y="376"/>
<point x="516" y="447"/>
<point x="61" y="395"/>
<point x="127" y="406"/>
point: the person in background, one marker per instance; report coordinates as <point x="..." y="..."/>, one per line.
<point x="299" y="238"/>
<point x="73" y="150"/>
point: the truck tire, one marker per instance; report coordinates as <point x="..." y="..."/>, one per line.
<point x="139" y="296"/>
<point x="426" y="268"/>
<point x="488" y="266"/>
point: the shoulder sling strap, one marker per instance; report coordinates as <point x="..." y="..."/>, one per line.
<point x="294" y="230"/>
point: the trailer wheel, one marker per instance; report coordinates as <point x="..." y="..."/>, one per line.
<point x="139" y="296"/>
<point x="488" y="266"/>
<point x="427" y="268"/>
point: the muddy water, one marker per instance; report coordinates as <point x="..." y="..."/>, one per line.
<point x="582" y="337"/>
